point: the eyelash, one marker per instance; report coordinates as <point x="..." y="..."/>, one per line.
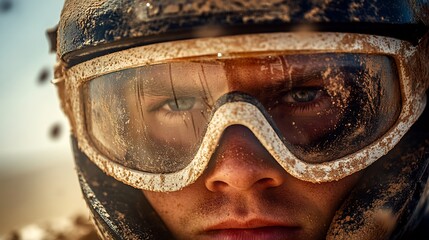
<point x="303" y="107"/>
<point x="172" y="114"/>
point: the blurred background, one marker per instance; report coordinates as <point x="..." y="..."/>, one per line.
<point x="37" y="179"/>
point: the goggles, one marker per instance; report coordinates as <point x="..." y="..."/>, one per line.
<point x="324" y="105"/>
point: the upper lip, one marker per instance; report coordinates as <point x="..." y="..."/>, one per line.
<point x="248" y="224"/>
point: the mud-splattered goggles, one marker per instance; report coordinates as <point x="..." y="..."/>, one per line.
<point x="324" y="105"/>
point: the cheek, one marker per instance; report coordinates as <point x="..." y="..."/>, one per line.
<point x="175" y="208"/>
<point x="319" y="203"/>
<point x="327" y="197"/>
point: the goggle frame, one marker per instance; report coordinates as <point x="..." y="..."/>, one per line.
<point x="412" y="95"/>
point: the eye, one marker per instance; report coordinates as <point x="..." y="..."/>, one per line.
<point x="179" y="104"/>
<point x="302" y="95"/>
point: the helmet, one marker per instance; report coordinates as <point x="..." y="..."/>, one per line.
<point x="153" y="88"/>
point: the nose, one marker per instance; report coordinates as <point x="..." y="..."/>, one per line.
<point x="241" y="163"/>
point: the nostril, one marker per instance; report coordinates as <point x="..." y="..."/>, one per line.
<point x="263" y="183"/>
<point x="267" y="182"/>
<point x="217" y="185"/>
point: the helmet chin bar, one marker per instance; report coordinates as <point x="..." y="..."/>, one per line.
<point x="390" y="200"/>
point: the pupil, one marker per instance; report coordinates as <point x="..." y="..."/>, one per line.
<point x="181" y="104"/>
<point x="304" y="95"/>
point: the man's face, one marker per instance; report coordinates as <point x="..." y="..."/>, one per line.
<point x="245" y="194"/>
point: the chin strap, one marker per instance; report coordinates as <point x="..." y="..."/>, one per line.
<point x="390" y="201"/>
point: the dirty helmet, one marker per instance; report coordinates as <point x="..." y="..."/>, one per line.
<point x="329" y="88"/>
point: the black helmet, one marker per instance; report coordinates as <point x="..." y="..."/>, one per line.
<point x="111" y="49"/>
<point x="95" y="28"/>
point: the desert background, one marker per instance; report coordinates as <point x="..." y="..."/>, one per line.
<point x="37" y="179"/>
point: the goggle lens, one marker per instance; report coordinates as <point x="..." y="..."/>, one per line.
<point x="324" y="106"/>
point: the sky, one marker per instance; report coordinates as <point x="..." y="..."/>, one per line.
<point x="28" y="109"/>
<point x="37" y="177"/>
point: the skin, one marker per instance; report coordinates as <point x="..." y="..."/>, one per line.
<point x="244" y="193"/>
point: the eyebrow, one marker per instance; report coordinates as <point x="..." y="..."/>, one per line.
<point x="168" y="80"/>
<point x="157" y="89"/>
<point x="165" y="84"/>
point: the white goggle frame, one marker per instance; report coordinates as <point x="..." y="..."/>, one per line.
<point x="413" y="103"/>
